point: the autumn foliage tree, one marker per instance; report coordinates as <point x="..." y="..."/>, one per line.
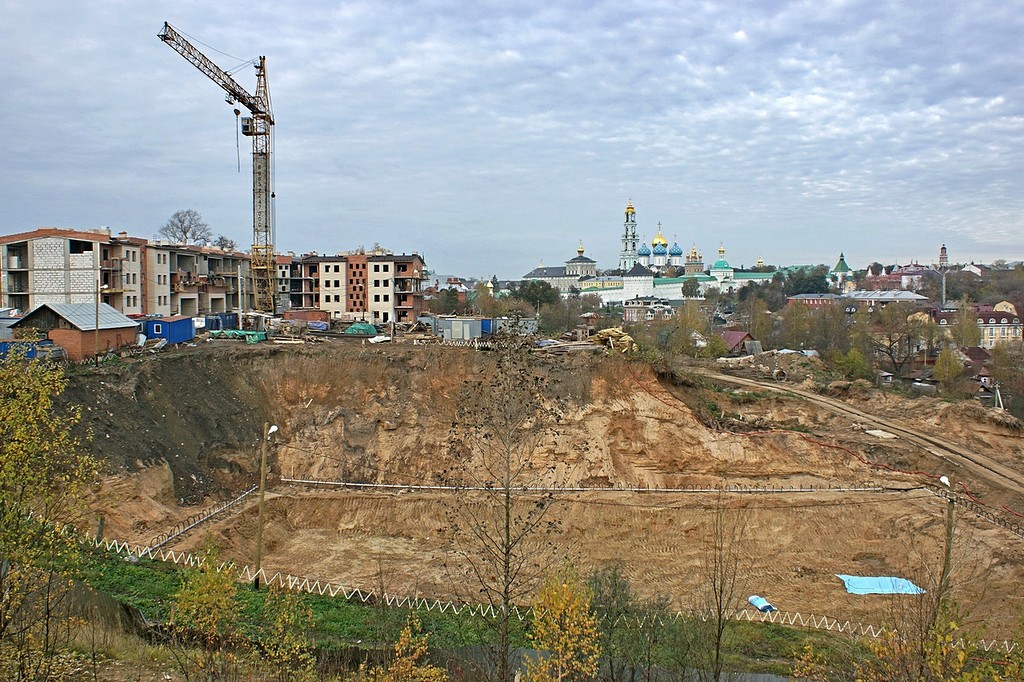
<point x="205" y="620"/>
<point x="409" y="663"/>
<point x="284" y="648"/>
<point x="565" y="629"/>
<point x="43" y="470"/>
<point x="503" y="538"/>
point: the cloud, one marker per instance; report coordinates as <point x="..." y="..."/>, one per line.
<point x="454" y="128"/>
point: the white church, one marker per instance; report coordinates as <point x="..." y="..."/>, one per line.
<point x="645" y="271"/>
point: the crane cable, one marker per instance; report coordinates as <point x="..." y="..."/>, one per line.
<point x="238" y="148"/>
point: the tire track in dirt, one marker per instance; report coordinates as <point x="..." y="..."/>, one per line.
<point x="991" y="471"/>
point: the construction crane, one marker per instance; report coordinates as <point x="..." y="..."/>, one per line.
<point x="259" y="127"/>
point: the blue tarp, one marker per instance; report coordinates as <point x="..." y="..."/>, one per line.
<point x="862" y="584"/>
<point x="760" y="603"/>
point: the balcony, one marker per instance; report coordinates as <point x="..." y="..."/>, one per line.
<point x="110" y="264"/>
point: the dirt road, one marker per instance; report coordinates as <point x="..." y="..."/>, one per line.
<point x="976" y="463"/>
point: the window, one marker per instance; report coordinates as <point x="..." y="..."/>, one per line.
<point x="376" y="298"/>
<point x="337" y="284"/>
<point x="77" y="246"/>
<point x="376" y="283"/>
<point x="387" y="282"/>
<point x="135" y="278"/>
<point x="337" y="268"/>
<point x="387" y="298"/>
<point x="134" y="253"/>
<point x="158" y="328"/>
<point x="387" y="267"/>
<point x="376" y="267"/>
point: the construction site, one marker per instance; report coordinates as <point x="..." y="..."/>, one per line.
<point x="827" y="479"/>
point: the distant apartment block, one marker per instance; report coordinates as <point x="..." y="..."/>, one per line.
<point x="139" y="277"/>
<point x="132" y="275"/>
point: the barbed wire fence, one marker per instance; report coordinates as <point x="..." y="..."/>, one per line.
<point x="195" y="520"/>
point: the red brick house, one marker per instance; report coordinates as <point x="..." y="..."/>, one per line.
<point x="72" y="326"/>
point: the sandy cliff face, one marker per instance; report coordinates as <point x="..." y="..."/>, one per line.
<point x="184" y="428"/>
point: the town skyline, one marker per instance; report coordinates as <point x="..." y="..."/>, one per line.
<point x="490" y="140"/>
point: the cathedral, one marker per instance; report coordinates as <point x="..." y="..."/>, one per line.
<point x="645" y="270"/>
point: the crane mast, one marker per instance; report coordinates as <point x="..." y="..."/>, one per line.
<point x="259" y="127"/>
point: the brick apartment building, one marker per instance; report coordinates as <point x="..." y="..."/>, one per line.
<point x="138" y="277"/>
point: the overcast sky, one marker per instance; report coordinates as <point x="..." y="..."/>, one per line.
<point x="491" y="136"/>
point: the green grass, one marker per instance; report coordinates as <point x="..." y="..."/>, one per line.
<point x="339" y="623"/>
<point x="147" y="585"/>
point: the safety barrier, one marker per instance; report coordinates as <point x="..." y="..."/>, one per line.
<point x="196" y="519"/>
<point x="294" y="583"/>
<point x="978" y="508"/>
<point x="737" y="489"/>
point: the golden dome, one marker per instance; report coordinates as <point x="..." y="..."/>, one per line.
<point x="659" y="238"/>
<point x="629" y="207"/>
<point x="579" y="249"/>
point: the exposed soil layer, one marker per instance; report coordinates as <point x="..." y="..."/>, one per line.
<point x="181" y="431"/>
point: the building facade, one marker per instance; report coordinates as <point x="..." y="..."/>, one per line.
<point x="137" y="277"/>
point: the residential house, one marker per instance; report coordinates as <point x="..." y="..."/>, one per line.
<point x="645" y="309"/>
<point x="81" y="329"/>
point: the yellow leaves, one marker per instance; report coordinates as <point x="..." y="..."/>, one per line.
<point x="565" y="627"/>
<point x="409" y="664"/>
<point x="284" y="644"/>
<point x="944" y="652"/>
<point x="205" y="606"/>
<point x="42" y="469"/>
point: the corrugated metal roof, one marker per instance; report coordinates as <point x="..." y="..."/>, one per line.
<point x="83" y="315"/>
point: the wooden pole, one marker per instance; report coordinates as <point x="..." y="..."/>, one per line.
<point x="263" y="486"/>
<point x="947" y="559"/>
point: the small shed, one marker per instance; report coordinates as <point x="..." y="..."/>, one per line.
<point x="176" y="329"/>
<point x="737" y="342"/>
<point x="73" y="327"/>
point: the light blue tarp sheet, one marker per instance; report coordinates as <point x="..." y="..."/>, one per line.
<point x="862" y="584"/>
<point x="760" y="603"/>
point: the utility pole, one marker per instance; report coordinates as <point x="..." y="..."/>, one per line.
<point x="96" y="331"/>
<point x="267" y="430"/>
<point x="947" y="559"/>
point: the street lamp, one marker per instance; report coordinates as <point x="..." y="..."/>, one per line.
<point x="947" y="558"/>
<point x="268" y="430"/>
<point x="96" y="332"/>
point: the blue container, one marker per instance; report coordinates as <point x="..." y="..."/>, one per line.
<point x="175" y="329"/>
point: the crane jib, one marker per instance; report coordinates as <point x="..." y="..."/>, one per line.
<point x="259" y="128"/>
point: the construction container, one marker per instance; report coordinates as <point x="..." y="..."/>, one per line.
<point x="177" y="329"/>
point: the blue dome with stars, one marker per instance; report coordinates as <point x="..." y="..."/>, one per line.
<point x="643" y="250"/>
<point x="675" y="250"/>
<point x="660" y="250"/>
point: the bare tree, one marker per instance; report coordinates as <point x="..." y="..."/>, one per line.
<point x="896" y="334"/>
<point x="503" y="539"/>
<point x="226" y="243"/>
<point x="702" y="639"/>
<point x="187" y="227"/>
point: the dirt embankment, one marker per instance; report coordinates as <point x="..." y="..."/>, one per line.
<point x="186" y="426"/>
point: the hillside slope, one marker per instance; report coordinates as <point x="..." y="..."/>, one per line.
<point x="182" y="429"/>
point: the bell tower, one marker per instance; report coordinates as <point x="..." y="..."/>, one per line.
<point x="628" y="256"/>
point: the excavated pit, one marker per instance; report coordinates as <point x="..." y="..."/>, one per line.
<point x="181" y="431"/>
